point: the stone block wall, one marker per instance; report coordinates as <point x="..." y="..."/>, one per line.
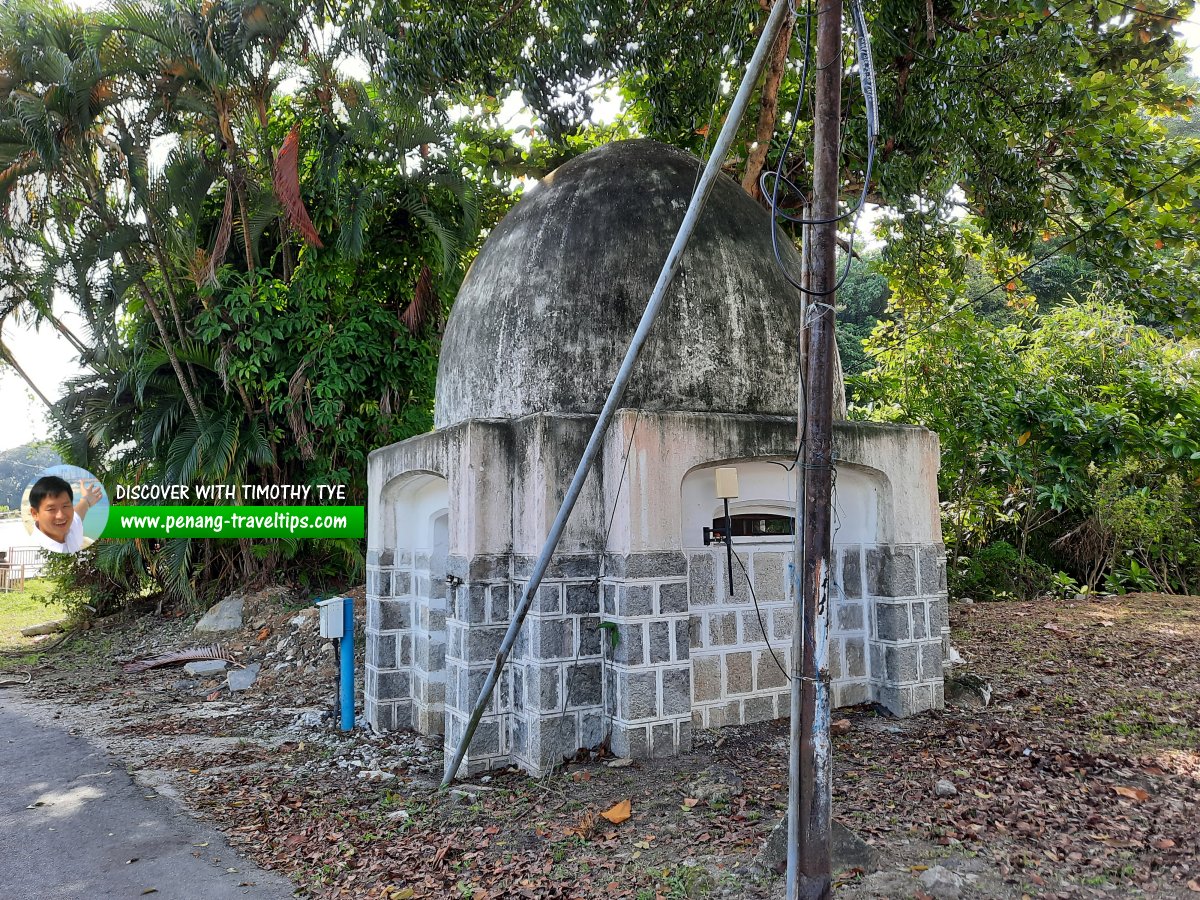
<point x="648" y="689"/>
<point x="849" y="630"/>
<point x="558" y="681"/>
<point x="735" y="677"/>
<point x="887" y="623"/>
<point x="388" y="688"/>
<point x="477" y="616"/>
<point x="429" y="642"/>
<point x="687" y="654"/>
<point x="906" y="588"/>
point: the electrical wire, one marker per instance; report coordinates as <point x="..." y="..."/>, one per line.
<point x="1074" y="239"/>
<point x="758" y="609"/>
<point x="621" y="480"/>
<point x="1145" y="12"/>
<point x="866" y="67"/>
<point x="870" y="99"/>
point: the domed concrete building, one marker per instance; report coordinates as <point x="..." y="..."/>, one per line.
<point x="634" y="638"/>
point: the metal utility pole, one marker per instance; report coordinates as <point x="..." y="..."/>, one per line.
<point x="810" y="816"/>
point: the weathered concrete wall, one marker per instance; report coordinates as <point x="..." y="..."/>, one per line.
<point x="687" y="654"/>
<point x="407" y="486"/>
<point x="669" y="495"/>
<point x="549" y="305"/>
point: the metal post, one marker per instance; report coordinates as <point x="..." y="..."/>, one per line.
<point x="712" y="171"/>
<point x="346" y="654"/>
<point x="795" y="721"/>
<point x="729" y="545"/>
<point x="813" y="852"/>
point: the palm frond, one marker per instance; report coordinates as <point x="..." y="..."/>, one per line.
<point x="287" y="187"/>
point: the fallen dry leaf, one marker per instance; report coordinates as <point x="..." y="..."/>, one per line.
<point x="618" y="812"/>
<point x="1132" y="793"/>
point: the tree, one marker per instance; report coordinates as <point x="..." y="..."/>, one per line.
<point x="1051" y="426"/>
<point x="211" y="229"/>
<point x="1038" y="119"/>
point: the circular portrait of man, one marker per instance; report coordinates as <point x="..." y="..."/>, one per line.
<point x="65" y="508"/>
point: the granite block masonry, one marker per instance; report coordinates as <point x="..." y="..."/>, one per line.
<point x="637" y="636"/>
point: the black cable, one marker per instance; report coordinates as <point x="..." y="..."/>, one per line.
<point x="1041" y="259"/>
<point x="1145" y="12"/>
<point x="872" y="139"/>
<point x="758" y="610"/>
<point x="621" y="481"/>
<point x="866" y="70"/>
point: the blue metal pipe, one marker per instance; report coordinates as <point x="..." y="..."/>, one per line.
<point x="346" y="653"/>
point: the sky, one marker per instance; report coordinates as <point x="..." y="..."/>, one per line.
<point x="49" y="360"/>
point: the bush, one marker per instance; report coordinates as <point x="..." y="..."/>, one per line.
<point x="997" y="572"/>
<point x="96" y="581"/>
<point x="1068" y="434"/>
<point x="1151" y="518"/>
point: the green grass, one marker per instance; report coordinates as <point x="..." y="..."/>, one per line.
<point x="23" y="608"/>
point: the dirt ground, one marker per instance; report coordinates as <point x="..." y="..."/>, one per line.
<point x="1081" y="778"/>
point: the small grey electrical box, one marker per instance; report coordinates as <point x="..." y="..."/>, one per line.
<point x="332" y="623"/>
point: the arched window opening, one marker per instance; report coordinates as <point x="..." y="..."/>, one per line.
<point x="752" y="525"/>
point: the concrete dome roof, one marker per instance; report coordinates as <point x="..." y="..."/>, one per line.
<point x="547" y="310"/>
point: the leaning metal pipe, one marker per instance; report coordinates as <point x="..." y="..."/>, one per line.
<point x="711" y="171"/>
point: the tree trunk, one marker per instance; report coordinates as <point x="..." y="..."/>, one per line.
<point x="156" y="313"/>
<point x="768" y="111"/>
<point x="6" y="354"/>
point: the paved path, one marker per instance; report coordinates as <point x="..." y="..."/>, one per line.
<point x="74" y="824"/>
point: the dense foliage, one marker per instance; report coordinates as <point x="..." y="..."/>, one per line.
<point x="1067" y="433"/>
<point x="263" y="246"/>
<point x="262" y="272"/>
<point x="1038" y="119"/>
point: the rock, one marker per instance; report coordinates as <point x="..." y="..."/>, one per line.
<point x="716" y="785"/>
<point x="968" y="690"/>
<point x="376" y="775"/>
<point x="205" y="667"/>
<point x="224" y="616"/>
<point x="942" y="884"/>
<point x="849" y="850"/>
<point x="467" y="793"/>
<point x="945" y="788"/>
<point x="185" y="684"/>
<point x="841" y="726"/>
<point x="310" y="719"/>
<point x="619" y="763"/>
<point x="44" y="628"/>
<point x="242" y="679"/>
<point x="398" y="815"/>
